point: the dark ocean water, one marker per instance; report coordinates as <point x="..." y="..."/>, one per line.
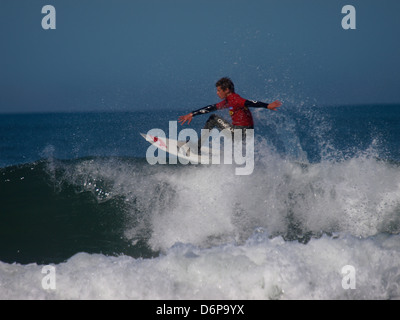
<point x="77" y="192"/>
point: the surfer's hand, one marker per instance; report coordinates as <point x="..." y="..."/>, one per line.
<point x="186" y="118"/>
<point x="274" y="105"/>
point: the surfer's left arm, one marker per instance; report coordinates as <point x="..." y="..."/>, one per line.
<point x="258" y="104"/>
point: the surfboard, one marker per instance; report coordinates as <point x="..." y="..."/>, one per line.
<point x="181" y="149"/>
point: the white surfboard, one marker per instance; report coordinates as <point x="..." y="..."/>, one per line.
<point x="181" y="149"/>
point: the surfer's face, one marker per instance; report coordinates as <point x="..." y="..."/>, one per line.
<point x="222" y="93"/>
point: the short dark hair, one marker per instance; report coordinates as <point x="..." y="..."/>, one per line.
<point x="226" y="83"/>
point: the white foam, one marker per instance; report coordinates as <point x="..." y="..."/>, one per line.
<point x="360" y="196"/>
<point x="262" y="268"/>
<point x="210" y="205"/>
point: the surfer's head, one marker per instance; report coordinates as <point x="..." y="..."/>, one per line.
<point x="225" y="87"/>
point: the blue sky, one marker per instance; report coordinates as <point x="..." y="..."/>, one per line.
<point x="149" y="54"/>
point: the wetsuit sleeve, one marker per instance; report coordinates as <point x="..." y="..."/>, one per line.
<point x="207" y="109"/>
<point x="255" y="104"/>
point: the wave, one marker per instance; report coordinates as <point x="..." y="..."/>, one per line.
<point x="53" y="209"/>
<point x="262" y="268"/>
<point x="119" y="228"/>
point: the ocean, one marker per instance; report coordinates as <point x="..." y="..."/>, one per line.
<point x="83" y="215"/>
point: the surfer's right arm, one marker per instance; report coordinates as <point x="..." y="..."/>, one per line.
<point x="188" y="117"/>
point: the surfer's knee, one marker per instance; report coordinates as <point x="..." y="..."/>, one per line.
<point x="211" y="122"/>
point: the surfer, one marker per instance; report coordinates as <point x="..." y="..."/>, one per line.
<point x="238" y="110"/>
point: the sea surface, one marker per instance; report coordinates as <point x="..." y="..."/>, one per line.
<point x="319" y="217"/>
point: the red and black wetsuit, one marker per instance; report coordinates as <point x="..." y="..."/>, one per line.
<point x="238" y="110"/>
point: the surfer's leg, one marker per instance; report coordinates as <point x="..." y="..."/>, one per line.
<point x="214" y="121"/>
<point x="244" y="131"/>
